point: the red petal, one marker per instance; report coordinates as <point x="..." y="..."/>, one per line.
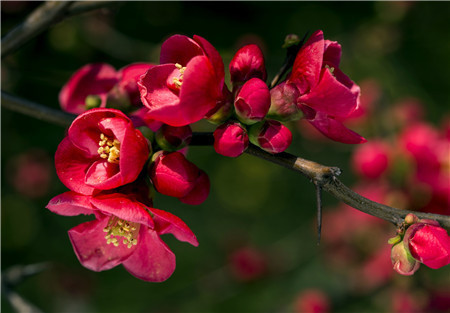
<point x="335" y="130"/>
<point x="431" y="246"/>
<point x="332" y="53"/>
<point x="167" y="223"/>
<point x="70" y="204"/>
<point x="121" y="206"/>
<point x="330" y="97"/>
<point x="71" y="166"/>
<point x="213" y="56"/>
<point x="200" y="192"/>
<point x="91" y="79"/>
<point x="104" y="175"/>
<point x="179" y="49"/>
<point x="89" y="243"/>
<point x="152" y="260"/>
<point x="247" y="63"/>
<point x="307" y="64"/>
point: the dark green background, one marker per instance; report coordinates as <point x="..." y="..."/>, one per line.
<point x="404" y="46"/>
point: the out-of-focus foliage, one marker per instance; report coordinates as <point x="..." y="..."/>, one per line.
<point x="256" y="230"/>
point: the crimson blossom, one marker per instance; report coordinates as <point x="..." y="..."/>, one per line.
<point x="132" y="231"/>
<point x="187" y="85"/>
<point x="100" y="85"/>
<point x="326" y="95"/>
<point x="102" y="151"/>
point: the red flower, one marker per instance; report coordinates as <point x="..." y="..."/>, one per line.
<point x="101" y="151"/>
<point x="91" y="80"/>
<point x="252" y="102"/>
<point x="173" y="175"/>
<point x="247" y="63"/>
<point x="95" y="85"/>
<point x="327" y="96"/>
<point x="187" y="84"/>
<point x="132" y="232"/>
<point x="230" y="139"/>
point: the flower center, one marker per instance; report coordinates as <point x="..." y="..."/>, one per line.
<point x="176" y="78"/>
<point x="109" y="149"/>
<point x="117" y="228"/>
<point x="331" y="68"/>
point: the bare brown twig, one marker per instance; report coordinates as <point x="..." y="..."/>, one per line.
<point x="46" y="15"/>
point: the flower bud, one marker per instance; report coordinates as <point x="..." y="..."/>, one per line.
<point x="200" y="191"/>
<point x="283" y="103"/>
<point x="290" y="40"/>
<point x="173" y="175"/>
<point x="402" y="260"/>
<point x="230" y="139"/>
<point x="248" y="62"/>
<point x="252" y="102"/>
<point x="223" y="109"/>
<point x="428" y="244"/>
<point x="172" y="138"/>
<point x="271" y="136"/>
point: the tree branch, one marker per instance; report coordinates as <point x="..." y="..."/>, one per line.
<point x="322" y="176"/>
<point x="42" y="18"/>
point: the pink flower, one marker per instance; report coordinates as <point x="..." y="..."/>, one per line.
<point x="187" y="84"/>
<point x="429" y="244"/>
<point x="247" y="63"/>
<point x="101" y="151"/>
<point x="372" y="159"/>
<point x="327" y="96"/>
<point x="95" y="85"/>
<point x="230" y="139"/>
<point x="271" y="136"/>
<point x="252" y="102"/>
<point x="94" y="80"/>
<point x="173" y="175"/>
<point x="132" y="231"/>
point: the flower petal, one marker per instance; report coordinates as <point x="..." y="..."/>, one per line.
<point x="331" y="97"/>
<point x="214" y="57"/>
<point x="104" y="175"/>
<point x="152" y="260"/>
<point x="123" y="207"/>
<point x="71" y="166"/>
<point x="167" y="223"/>
<point x="431" y="246"/>
<point x="332" y="53"/>
<point x="179" y="49"/>
<point x="335" y="130"/>
<point x="91" y="79"/>
<point x="70" y="204"/>
<point x="89" y="243"/>
<point x="308" y="62"/>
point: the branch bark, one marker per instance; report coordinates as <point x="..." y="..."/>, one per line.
<point x="322" y="176"/>
<point x="46" y="15"/>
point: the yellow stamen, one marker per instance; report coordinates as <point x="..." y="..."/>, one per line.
<point x="109" y="149"/>
<point x="121" y="228"/>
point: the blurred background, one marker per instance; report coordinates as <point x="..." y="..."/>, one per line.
<point x="258" y="247"/>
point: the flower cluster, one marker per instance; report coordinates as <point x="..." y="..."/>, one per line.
<point x="134" y="126"/>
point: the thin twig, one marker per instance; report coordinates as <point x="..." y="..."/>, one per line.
<point x="35" y="110"/>
<point x="42" y="18"/>
<point x="325" y="176"/>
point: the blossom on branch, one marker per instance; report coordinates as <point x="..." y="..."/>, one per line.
<point x="125" y="231"/>
<point x="188" y="83"/>
<point x="102" y="151"/>
<point x="327" y="96"/>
